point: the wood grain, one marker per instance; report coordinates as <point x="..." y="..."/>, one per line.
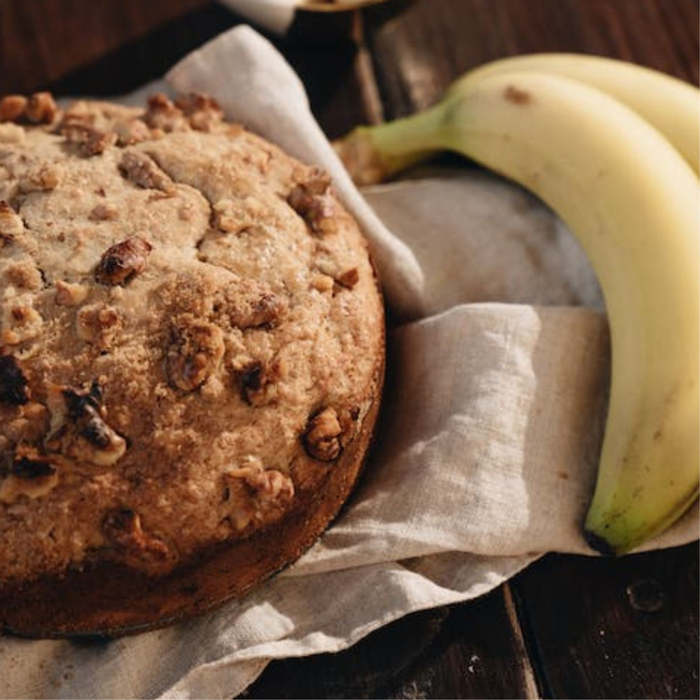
<point x="418" y="54"/>
<point x="42" y="40"/>
<point x="624" y="628"/>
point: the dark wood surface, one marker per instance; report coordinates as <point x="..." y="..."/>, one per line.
<point x="567" y="626"/>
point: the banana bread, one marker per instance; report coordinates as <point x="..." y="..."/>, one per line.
<point x="191" y="361"/>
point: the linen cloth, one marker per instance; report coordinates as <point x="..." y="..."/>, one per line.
<point x="487" y="452"/>
<point x="275" y="15"/>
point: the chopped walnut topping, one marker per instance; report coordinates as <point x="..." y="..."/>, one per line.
<point x="24" y="275"/>
<point x="349" y="278"/>
<point x="41" y="179"/>
<point x="31" y="474"/>
<point x="313" y="202"/>
<point x="227" y="217"/>
<point x="88" y="140"/>
<point x="197" y="102"/>
<point x="98" y="325"/>
<point x="322" y="436"/>
<point x="13" y="383"/>
<point x="41" y="108"/>
<point x="317" y="182"/>
<point x="79" y="112"/>
<point x="322" y="283"/>
<point x="104" y="212"/>
<point x="68" y="294"/>
<point x="12" y="108"/>
<point x="195" y="352"/>
<point x="202" y="111"/>
<point x="257" y="382"/>
<point x="250" y="380"/>
<point x="264" y="311"/>
<point x="234" y="217"/>
<point x="257" y="495"/>
<point x="131" y="131"/>
<point x="11" y="224"/>
<point x="164" y="115"/>
<point x="123" y="530"/>
<point x="20" y="321"/>
<point x="28" y="463"/>
<point x="78" y="427"/>
<point x="123" y="261"/>
<point x="143" y="171"/>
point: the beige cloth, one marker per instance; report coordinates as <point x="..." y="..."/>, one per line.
<point x="488" y="451"/>
<point x="275" y="15"/>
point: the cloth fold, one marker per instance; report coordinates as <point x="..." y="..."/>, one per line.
<point x="487" y="451"/>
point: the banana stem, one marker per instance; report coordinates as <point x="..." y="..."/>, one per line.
<point x="373" y="153"/>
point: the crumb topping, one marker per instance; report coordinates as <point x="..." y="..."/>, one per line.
<point x="189" y="327"/>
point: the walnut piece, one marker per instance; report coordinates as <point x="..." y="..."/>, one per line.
<point x="12" y="108"/>
<point x="123" y="261"/>
<point x="68" y="294"/>
<point x="257" y="383"/>
<point x="312" y="200"/>
<point x="349" y="278"/>
<point x="322" y="436"/>
<point x="41" y="108"/>
<point x="31" y="474"/>
<point x="322" y="283"/>
<point x="13" y="383"/>
<point x="11" y="224"/>
<point x="98" y="324"/>
<point x="143" y="171"/>
<point x="234" y="217"/>
<point x="29" y="463"/>
<point x="265" y="310"/>
<point x="78" y="427"/>
<point x="202" y="111"/>
<point x="164" y="115"/>
<point x="123" y="530"/>
<point x="24" y="275"/>
<point x="130" y="131"/>
<point x="257" y="495"/>
<point x="88" y="140"/>
<point x="41" y="179"/>
<point x="20" y="321"/>
<point x="195" y="352"/>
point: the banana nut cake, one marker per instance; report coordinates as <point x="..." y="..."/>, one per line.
<point x="191" y="360"/>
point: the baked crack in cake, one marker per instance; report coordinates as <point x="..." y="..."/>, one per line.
<point x="191" y="360"/>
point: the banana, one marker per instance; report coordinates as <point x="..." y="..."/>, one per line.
<point x="669" y="104"/>
<point x="631" y="200"/>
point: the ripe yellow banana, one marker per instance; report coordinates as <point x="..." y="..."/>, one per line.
<point x="668" y="104"/>
<point x="632" y="201"/>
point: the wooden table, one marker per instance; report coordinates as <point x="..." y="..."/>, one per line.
<point x="568" y="626"/>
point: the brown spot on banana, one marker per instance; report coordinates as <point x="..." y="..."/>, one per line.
<point x="517" y="96"/>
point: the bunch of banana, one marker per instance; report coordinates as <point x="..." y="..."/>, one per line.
<point x="612" y="148"/>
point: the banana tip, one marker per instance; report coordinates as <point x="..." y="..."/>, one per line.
<point x="598" y="543"/>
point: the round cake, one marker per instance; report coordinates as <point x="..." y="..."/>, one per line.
<point x="191" y="361"/>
